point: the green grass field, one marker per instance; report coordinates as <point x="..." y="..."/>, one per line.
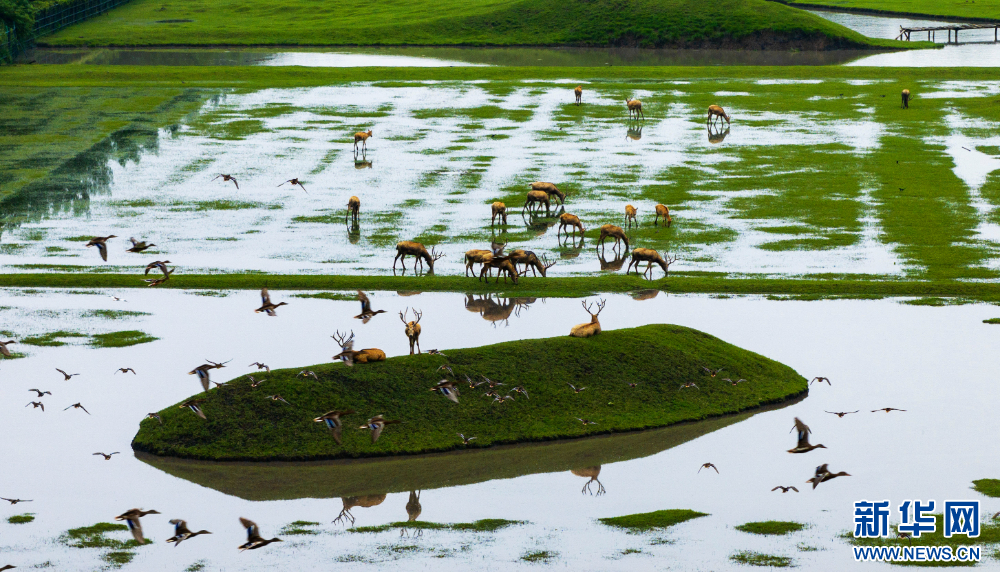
<point x="978" y="9"/>
<point x="243" y="424"/>
<point x="645" y="23"/>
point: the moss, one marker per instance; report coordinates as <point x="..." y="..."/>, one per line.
<point x="21" y="518"/>
<point x="647" y="521"/>
<point x="771" y="527"/>
<point x="121" y="339"/>
<point x="751" y="558"/>
<point x="988" y="487"/>
<point x="992" y="321"/>
<point x="543" y="557"/>
<point x="486" y="524"/>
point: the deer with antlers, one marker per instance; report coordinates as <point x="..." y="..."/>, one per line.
<point x="663" y="211"/>
<point x="366" y="501"/>
<point x="714" y="112"/>
<point x="578" y="92"/>
<point x="350" y="356"/>
<point x="650" y="257"/>
<point x="362" y="137"/>
<point x="615" y="232"/>
<point x="550" y="189"/>
<point x="572" y="221"/>
<point x="412" y="328"/>
<point x="503" y="265"/>
<point x="589" y="329"/>
<point x="410" y="248"/>
<point x="499" y="211"/>
<point x="591" y="473"/>
<point x="635" y="108"/>
<point x="536" y="199"/>
<point x="353" y="209"/>
<point x="630" y="214"/>
<point x="530" y="260"/>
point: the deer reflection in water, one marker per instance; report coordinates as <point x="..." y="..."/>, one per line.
<point x="615" y="264"/>
<point x="592" y="473"/>
<point x="413" y="510"/>
<point x="716" y="134"/>
<point x="365" y="501"/>
<point x="634" y="133"/>
<point x="570" y="248"/>
<point x="647" y="294"/>
<point x="495" y="309"/>
<point x="541" y="223"/>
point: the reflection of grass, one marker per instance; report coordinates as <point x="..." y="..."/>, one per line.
<point x="771" y="527"/>
<point x="21" y="518"/>
<point x="989" y="535"/>
<point x="751" y="558"/>
<point x="484" y="525"/>
<point x="121" y="339"/>
<point x="330" y="296"/>
<point x="646" y="521"/>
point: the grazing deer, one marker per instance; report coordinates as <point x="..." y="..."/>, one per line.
<point x="503" y="266"/>
<point x="499" y="210"/>
<point x="578" y="91"/>
<point x="417" y="250"/>
<point x="906" y="99"/>
<point x="353" y="209"/>
<point x="593" y="327"/>
<point x="634" y="133"/>
<point x="615" y="232"/>
<point x="537" y="198"/>
<point x="592" y="473"/>
<point x="572" y="221"/>
<point x="530" y="260"/>
<point x="349" y="356"/>
<point x="366" y="501"/>
<point x="662" y="210"/>
<point x="549" y="189"/>
<point x="649" y="256"/>
<point x="714" y="111"/>
<point x="476" y="256"/>
<point x="412" y="328"/>
<point x="630" y="213"/>
<point x="635" y="108"/>
<point x="613" y="265"/>
<point x="362" y="137"/>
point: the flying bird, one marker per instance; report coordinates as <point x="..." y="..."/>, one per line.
<point x="784" y="489"/>
<point x="377" y="424"/>
<point x="886" y="409"/>
<point x="37" y="404"/>
<point x="712" y="372"/>
<point x="295" y="182"/>
<point x="40" y="392"/>
<point x="265" y="304"/>
<point x="823" y="475"/>
<point x="229" y="178"/>
<point x="125" y="370"/>
<point x="202" y="371"/>
<point x="78" y="406"/>
<point x="254" y="540"/>
<point x="575" y="389"/>
<point x="139" y="245"/>
<point x="67" y="376"/>
<point x="154" y="416"/>
<point x="366" y="309"/>
<point x="841" y="413"/>
<point x="306" y="373"/>
<point x="586" y="421"/>
<point x="160" y="265"/>
<point x="803" y="445"/>
<point x="260" y="366"/>
<point x="181" y="532"/>
<point x="277" y="397"/>
<point x="436" y="353"/>
<point x="708" y="466"/>
<point x="820" y="380"/>
<point x="447" y="389"/>
<point x="131" y="518"/>
<point x="738" y="381"/>
<point x="194" y="405"/>
<point x="107" y="456"/>
<point x="15" y="501"/>
<point x="100" y="243"/>
<point x="466" y="440"/>
<point x="520" y="389"/>
<point x="445" y="367"/>
<point x="254" y="383"/>
<point x="689" y="384"/>
<point x="3" y="347"/>
<point x="333" y="422"/>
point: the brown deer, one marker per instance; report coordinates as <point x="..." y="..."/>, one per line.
<point x="572" y="221"/>
<point x="634" y="133"/>
<point x="635" y="108"/>
<point x="906" y="99"/>
<point x="593" y="327"/>
<point x="647" y="294"/>
<point x="499" y="211"/>
<point x="663" y="211"/>
<point x="530" y="260"/>
<point x="412" y="328"/>
<point x="649" y="256"/>
<point x="366" y="501"/>
<point x="410" y="248"/>
<point x="349" y="356"/>
<point x="719" y="136"/>
<point x="613" y="265"/>
<point x="536" y="198"/>
<point x="591" y="473"/>
<point x="550" y="190"/>
<point x="714" y="111"/>
<point x="630" y="213"/>
<point x="476" y="256"/>
<point x="615" y="232"/>
<point x="362" y="164"/>
<point x="353" y="209"/>
<point x="503" y="266"/>
<point x="578" y="91"/>
<point x="362" y="137"/>
<point x="413" y="508"/>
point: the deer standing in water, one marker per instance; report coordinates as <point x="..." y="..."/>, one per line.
<point x="571" y="221"/>
<point x="366" y="501"/>
<point x="630" y="214"/>
<point x="592" y="473"/>
<point x="362" y="137"/>
<point x="635" y="108"/>
<point x="412" y="328"/>
<point x="349" y="356"/>
<point x="536" y="199"/>
<point x="649" y="256"/>
<point x="663" y="211"/>
<point x="417" y="250"/>
<point x="906" y="99"/>
<point x="615" y="232"/>
<point x="499" y="211"/>
<point x="714" y="111"/>
<point x="353" y="209"/>
<point x="590" y="329"/>
<point x="578" y="91"/>
<point x="550" y="189"/>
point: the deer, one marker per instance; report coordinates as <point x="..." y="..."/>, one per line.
<point x="649" y="256"/>
<point x="633" y="133"/>
<point x="530" y="260"/>
<point x="635" y="108"/>
<point x="662" y="210"/>
<point x="592" y="473"/>
<point x="578" y="91"/>
<point x="715" y="137"/>
<point x="412" y="328"/>
<point x="353" y="209"/>
<point x="410" y="248"/>
<point x="572" y="221"/>
<point x="615" y="232"/>
<point x="476" y="256"/>
<point x="589" y="329"/>
<point x="499" y="211"/>
<point x="613" y="265"/>
<point x="550" y="189"/>
<point x="906" y="99"/>
<point x="503" y="265"/>
<point x="362" y="137"/>
<point x="630" y="213"/>
<point x="349" y="356"/>
<point x="536" y="198"/>
<point x="714" y="111"/>
<point x="366" y="501"/>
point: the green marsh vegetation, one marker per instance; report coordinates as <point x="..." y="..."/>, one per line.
<point x="751" y="558"/>
<point x="989" y="536"/>
<point x="399" y="386"/>
<point x="540" y="557"/>
<point x="483" y="525"/>
<point x="988" y="487"/>
<point x="21" y="518"/>
<point x="106" y="340"/>
<point x="649" y="521"/>
<point x="771" y="527"/>
<point x="114" y="551"/>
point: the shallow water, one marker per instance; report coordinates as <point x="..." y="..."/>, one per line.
<point x="933" y="362"/>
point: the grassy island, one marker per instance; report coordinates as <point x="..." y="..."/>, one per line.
<point x="244" y="425"/>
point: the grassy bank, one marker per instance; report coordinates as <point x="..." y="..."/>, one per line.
<point x="243" y="425"/>
<point x="645" y="23"/>
<point x="978" y="10"/>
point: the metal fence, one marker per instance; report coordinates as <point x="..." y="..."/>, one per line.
<point x="10" y="44"/>
<point x="57" y="17"/>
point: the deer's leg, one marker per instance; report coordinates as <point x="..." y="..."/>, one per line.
<point x="395" y="259"/>
<point x="416" y="340"/>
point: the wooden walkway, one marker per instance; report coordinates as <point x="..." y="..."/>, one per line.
<point x="904" y="33"/>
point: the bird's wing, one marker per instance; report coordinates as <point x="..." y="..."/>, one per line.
<point x="136" y="528"/>
<point x="794" y="489"/>
<point x="338" y="432"/>
<point x="716" y="469"/>
<point x="235" y="183"/>
<point x="61" y="371"/>
<point x="204" y="380"/>
<point x="4" y="350"/>
<point x="803" y="440"/>
<point x="84" y="410"/>
<point x="775" y="488"/>
<point x="103" y="249"/>
<point x="265" y="298"/>
<point x="377" y="431"/>
<point x="253" y="532"/>
<point x="452" y="395"/>
<point x="42" y="405"/>
<point x="199" y="412"/>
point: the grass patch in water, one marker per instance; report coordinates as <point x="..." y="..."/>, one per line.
<point x="542" y="557"/>
<point x="21" y="518"/>
<point x="771" y="527"/>
<point x="122" y="339"/>
<point x="989" y="536"/>
<point x="196" y="567"/>
<point x="113" y="314"/>
<point x="95" y="536"/>
<point x="299" y="527"/>
<point x="647" y="521"/>
<point x="338" y="296"/>
<point x="992" y="321"/>
<point x="51" y="339"/>
<point x="988" y="487"/>
<point x="751" y="558"/>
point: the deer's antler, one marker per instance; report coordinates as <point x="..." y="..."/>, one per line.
<point x="600" y="306"/>
<point x="587" y="307"/>
<point x="546" y="263"/>
<point x="402" y="315"/>
<point x="435" y="255"/>
<point x="418" y="315"/>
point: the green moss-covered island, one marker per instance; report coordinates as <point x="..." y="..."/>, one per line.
<point x="243" y="424"/>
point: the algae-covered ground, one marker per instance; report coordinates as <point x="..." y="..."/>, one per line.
<point x="243" y="424"/>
